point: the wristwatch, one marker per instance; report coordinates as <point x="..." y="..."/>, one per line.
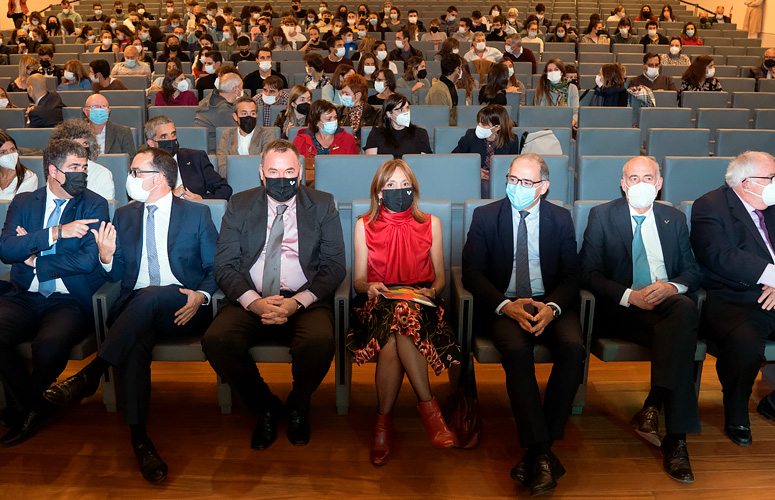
<point x="555" y="310"/>
<point x="299" y="306"/>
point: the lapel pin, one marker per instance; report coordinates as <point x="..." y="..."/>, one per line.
<point x="667" y="220"/>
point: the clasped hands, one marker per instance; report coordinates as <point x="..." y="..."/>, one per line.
<point x="531" y="323"/>
<point x="273" y="310"/>
<point x="651" y="296"/>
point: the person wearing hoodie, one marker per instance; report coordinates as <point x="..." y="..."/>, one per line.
<point x="215" y="110"/>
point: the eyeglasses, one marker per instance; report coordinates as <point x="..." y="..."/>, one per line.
<point x="97" y="106"/>
<point x="134" y="172"/>
<point x="770" y="178"/>
<point x="524" y="182"/>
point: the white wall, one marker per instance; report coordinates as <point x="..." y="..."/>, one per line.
<point x="6" y="23"/>
<point x="738" y="14"/>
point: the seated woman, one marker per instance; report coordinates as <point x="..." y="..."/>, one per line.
<point x="624" y="33"/>
<point x="689" y="35"/>
<point x="468" y="83"/>
<point x="414" y="79"/>
<point x="700" y="76"/>
<point x="333" y="92"/>
<point x="172" y="63"/>
<point x="5" y="101"/>
<point x="279" y="40"/>
<point x="554" y="89"/>
<point x="385" y="85"/>
<point x="494" y="91"/>
<point x="27" y="66"/>
<point x="295" y="112"/>
<point x="450" y="46"/>
<point x="674" y="57"/>
<point x="493" y="135"/>
<point x="610" y="87"/>
<point x="75" y="76"/>
<point x="323" y="135"/>
<point x="355" y="111"/>
<point x="315" y="77"/>
<point x="367" y="66"/>
<point x="172" y="49"/>
<point x="174" y="91"/>
<point x="86" y="37"/>
<point x="14" y="177"/>
<point x="561" y="35"/>
<point x="396" y="135"/>
<point x="396" y="244"/>
<point x="107" y="46"/>
<point x="380" y="51"/>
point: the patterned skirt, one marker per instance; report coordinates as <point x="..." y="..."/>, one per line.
<point x="374" y="320"/>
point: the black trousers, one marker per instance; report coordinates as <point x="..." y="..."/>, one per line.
<point x="536" y="421"/>
<point x="739" y="359"/>
<point x="147" y="316"/>
<point x="309" y="333"/>
<point x="670" y="330"/>
<point x="54" y="325"/>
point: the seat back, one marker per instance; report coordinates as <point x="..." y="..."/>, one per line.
<point x="663" y="142"/>
<point x="34" y="138"/>
<point x="545" y="116"/>
<point x="753" y="100"/>
<point x="663" y="117"/>
<point x="612" y="141"/>
<point x="192" y="138"/>
<point x="182" y="116"/>
<point x="118" y="164"/>
<point x="123" y="97"/>
<point x="599" y="116"/>
<point x="13" y="117"/>
<point x="217" y="211"/>
<point x="35" y="163"/>
<point x="560" y="177"/>
<point x="764" y="119"/>
<point x="686" y="178"/>
<point x="429" y="117"/>
<point x="242" y="172"/>
<point x="696" y="100"/>
<point x="598" y="177"/>
<point x="733" y="142"/>
<point x="347" y="177"/>
<point x="452" y="177"/>
<point x="445" y="139"/>
<point x="716" y="118"/>
<point x="581" y="210"/>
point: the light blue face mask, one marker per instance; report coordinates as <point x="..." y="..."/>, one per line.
<point x="131" y="63"/>
<point x="99" y="116"/>
<point x="329" y="127"/>
<point x="347" y="101"/>
<point x="520" y="196"/>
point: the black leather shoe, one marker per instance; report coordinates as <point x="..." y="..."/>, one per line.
<point x="766" y="408"/>
<point x="31" y="423"/>
<point x="71" y="390"/>
<point x="546" y="471"/>
<point x="152" y="467"/>
<point x="11" y="417"/>
<point x="522" y="473"/>
<point x="739" y="434"/>
<point x="298" y="429"/>
<point x="675" y="460"/>
<point x="646" y="424"/>
<point x="266" y="430"/>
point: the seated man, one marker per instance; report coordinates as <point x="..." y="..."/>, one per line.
<point x="443" y="91"/>
<point x="280" y="257"/>
<point x="404" y="49"/>
<point x="112" y="138"/>
<point x="638" y="262"/>
<point x="130" y="65"/>
<point x="272" y="94"/>
<point x="165" y="292"/>
<point x="197" y="178"/>
<point x="69" y="13"/>
<point x="517" y="53"/>
<point x="765" y="70"/>
<point x="99" y="73"/>
<point x="47" y="66"/>
<point x="731" y="237"/>
<point x="245" y="138"/>
<point x="98" y="178"/>
<point x="211" y="61"/>
<point x="244" y="54"/>
<point x="526" y="297"/>
<point x="480" y="50"/>
<point x="650" y="77"/>
<point x="46" y="238"/>
<point x="215" y="110"/>
<point x="336" y="52"/>
<point x="46" y="108"/>
<point x="254" y="81"/>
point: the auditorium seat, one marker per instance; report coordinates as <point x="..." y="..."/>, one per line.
<point x="611" y="141"/>
<point x="663" y="142"/>
<point x="764" y="119"/>
<point x="599" y="116"/>
<point x="13" y="118"/>
<point x="449" y="177"/>
<point x="545" y="116"/>
<point x="242" y="172"/>
<point x="731" y="142"/>
<point x="118" y="164"/>
<point x="445" y="139"/>
<point x="663" y="117"/>
<point x="33" y="138"/>
<point x="181" y="116"/>
<point x="716" y="118"/>
<point x="192" y="137"/>
<point x="688" y="178"/>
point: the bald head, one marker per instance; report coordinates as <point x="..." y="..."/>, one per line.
<point x="95" y="101"/>
<point x="130" y="52"/>
<point x="37" y="84"/>
<point x="641" y="163"/>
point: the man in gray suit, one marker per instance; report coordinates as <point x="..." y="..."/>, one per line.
<point x="245" y="138"/>
<point x="111" y="138"/>
<point x="279" y="259"/>
<point x="213" y="110"/>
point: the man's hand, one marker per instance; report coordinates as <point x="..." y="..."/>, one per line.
<point x="20" y="231"/>
<point x="516" y="311"/>
<point x="376" y="289"/>
<point x="76" y="229"/>
<point x="106" y="241"/>
<point x="542" y="318"/>
<point x="193" y="303"/>
<point x="658" y="291"/>
<point x="283" y="309"/>
<point x="638" y="300"/>
<point x="485" y="174"/>
<point x="30" y="261"/>
<point x="188" y="195"/>
<point x="767" y="298"/>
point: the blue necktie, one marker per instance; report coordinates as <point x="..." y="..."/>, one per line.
<point x="523" y="288"/>
<point x="154" y="270"/>
<point x="641" y="274"/>
<point x="46" y="288"/>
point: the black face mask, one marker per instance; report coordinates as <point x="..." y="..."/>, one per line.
<point x="119" y="11"/>
<point x="295" y="7"/>
<point x="303" y="108"/>
<point x="422" y="74"/>
<point x="75" y="183"/>
<point x="45" y="64"/>
<point x="174" y="47"/>
<point x="51" y="26"/>
<point x="262" y="28"/>
<point x="398" y="200"/>
<point x="434" y="29"/>
<point x="247" y="123"/>
<point x="281" y="189"/>
<point x="244" y="53"/>
<point x="22" y="39"/>
<point x="170" y="145"/>
<point x="769" y="63"/>
<point x="199" y="33"/>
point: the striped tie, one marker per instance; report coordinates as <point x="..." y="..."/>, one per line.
<point x="154" y="271"/>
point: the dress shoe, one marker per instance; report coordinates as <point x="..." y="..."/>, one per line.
<point x="30" y="424"/>
<point x="522" y="473"/>
<point x="546" y="471"/>
<point x="298" y="429"/>
<point x="675" y="460"/>
<point x="266" y="430"/>
<point x="71" y="390"/>
<point x="152" y="467"/>
<point x="11" y="417"/>
<point x="380" y="448"/>
<point x="766" y="409"/>
<point x="435" y="427"/>
<point x="739" y="434"/>
<point x="646" y="424"/>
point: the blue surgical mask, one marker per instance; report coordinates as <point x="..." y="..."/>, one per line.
<point x="347" y="101"/>
<point x="520" y="196"/>
<point x="99" y="116"/>
<point x="329" y="127"/>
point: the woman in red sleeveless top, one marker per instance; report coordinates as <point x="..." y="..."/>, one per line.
<point x="396" y="244"/>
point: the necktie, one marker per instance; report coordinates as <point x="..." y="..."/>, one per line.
<point x="271" y="283"/>
<point x="763" y="227"/>
<point x="522" y="282"/>
<point x="641" y="274"/>
<point x="154" y="271"/>
<point x="46" y="288"/>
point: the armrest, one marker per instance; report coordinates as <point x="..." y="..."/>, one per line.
<point x="102" y="300"/>
<point x="700" y="296"/>
<point x="342" y="307"/>
<point x="463" y="304"/>
<point x="217" y="297"/>
<point x="587" y="315"/>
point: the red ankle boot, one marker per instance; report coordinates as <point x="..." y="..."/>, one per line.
<point x="380" y="448"/>
<point x="435" y="427"/>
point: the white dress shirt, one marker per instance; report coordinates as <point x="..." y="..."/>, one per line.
<point x="490" y="53"/>
<point x="28" y="185"/>
<point x="243" y="142"/>
<point x="50" y="206"/>
<point x="768" y="276"/>
<point x="101" y="139"/>
<point x="653" y="245"/>
<point x="100" y="180"/>
<point x="180" y="178"/>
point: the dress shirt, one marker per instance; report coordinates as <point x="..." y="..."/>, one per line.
<point x="243" y="142"/>
<point x="653" y="245"/>
<point x="50" y="206"/>
<point x="101" y="140"/>
<point x="768" y="276"/>
<point x="291" y="274"/>
<point x="180" y="178"/>
<point x="100" y="180"/>
<point x="490" y="53"/>
<point x="28" y="185"/>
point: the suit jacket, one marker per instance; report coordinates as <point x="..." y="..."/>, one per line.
<point x="732" y="255"/>
<point x="200" y="177"/>
<point x="118" y="140"/>
<point x="47" y="113"/>
<point x="75" y="260"/>
<point x="191" y="240"/>
<point x="488" y="255"/>
<point x="243" y="235"/>
<point x="606" y="255"/>
<point x="228" y="145"/>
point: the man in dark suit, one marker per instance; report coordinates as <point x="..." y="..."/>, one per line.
<point x="46" y="237"/>
<point x="521" y="266"/>
<point x="638" y="262"/>
<point x="279" y="259"/>
<point x="111" y="137"/>
<point x="731" y="237"/>
<point x="197" y="179"/>
<point x="46" y="108"/>
<point x="161" y="248"/>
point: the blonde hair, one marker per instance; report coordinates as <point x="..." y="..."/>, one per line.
<point x="24" y="62"/>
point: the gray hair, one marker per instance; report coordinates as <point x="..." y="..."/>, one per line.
<point x="647" y="159"/>
<point x="535" y="158"/>
<point x="149" y="129"/>
<point x="229" y="81"/>
<point x="744" y="166"/>
<point x="74" y="129"/>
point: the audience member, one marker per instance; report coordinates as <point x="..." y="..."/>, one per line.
<point x="244" y="139"/>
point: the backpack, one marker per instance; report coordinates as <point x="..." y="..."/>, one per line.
<point x="542" y="142"/>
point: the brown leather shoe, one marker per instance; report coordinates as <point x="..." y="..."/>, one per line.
<point x="675" y="460"/>
<point x="646" y="424"/>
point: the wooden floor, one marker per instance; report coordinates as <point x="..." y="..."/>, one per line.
<point x="86" y="454"/>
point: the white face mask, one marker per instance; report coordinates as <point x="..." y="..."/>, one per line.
<point x="381" y="55"/>
<point x="182" y="85"/>
<point x="483" y="133"/>
<point x="511" y="72"/>
<point x="270" y="99"/>
<point x="480" y="46"/>
<point x="455" y="51"/>
<point x="642" y="195"/>
<point x="3" y="103"/>
<point x="134" y="188"/>
<point x="554" y="76"/>
<point x="413" y="20"/>
<point x="107" y="42"/>
<point x="767" y="196"/>
<point x="209" y="69"/>
<point x="379" y="87"/>
<point x="710" y="73"/>
<point x="461" y="30"/>
<point x="340" y="52"/>
<point x="652" y="33"/>
<point x="404" y="119"/>
<point x="624" y="31"/>
<point x="675" y="50"/>
<point x="217" y="83"/>
<point x="9" y="161"/>
<point x="400" y="44"/>
<point x="369" y="69"/>
<point x="265" y="65"/>
<point x="69" y="75"/>
<point x="652" y="72"/>
<point x="599" y="81"/>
